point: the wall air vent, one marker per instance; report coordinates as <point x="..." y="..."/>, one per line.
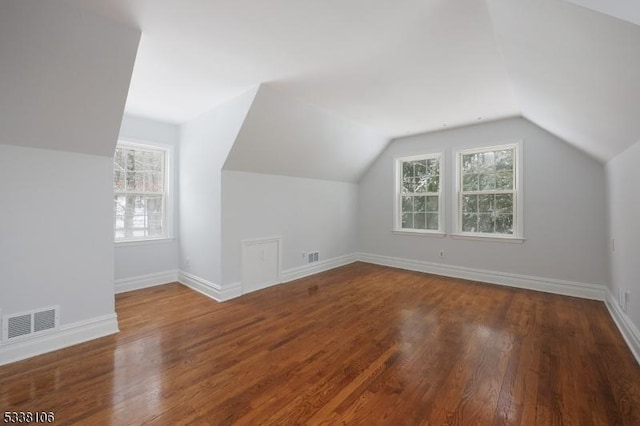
<point x="31" y="323"/>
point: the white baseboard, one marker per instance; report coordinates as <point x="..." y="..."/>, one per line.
<point x="209" y="289"/>
<point x="316" y="267"/>
<point x="143" y="281"/>
<point x="547" y="285"/>
<point x="66" y="335"/>
<point x="628" y="330"/>
<point x="231" y="291"/>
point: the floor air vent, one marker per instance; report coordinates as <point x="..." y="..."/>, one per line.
<point x="30" y="323"/>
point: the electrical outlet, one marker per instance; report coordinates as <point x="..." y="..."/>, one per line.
<point x="441" y="253"/>
<point x="316" y="255"/>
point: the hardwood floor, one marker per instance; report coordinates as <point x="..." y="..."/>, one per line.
<point x="361" y="344"/>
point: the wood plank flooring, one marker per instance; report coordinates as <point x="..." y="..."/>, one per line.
<point x="361" y="344"/>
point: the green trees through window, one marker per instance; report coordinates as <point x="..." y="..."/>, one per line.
<point x="418" y="204"/>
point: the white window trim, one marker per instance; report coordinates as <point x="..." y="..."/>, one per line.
<point x="170" y="162"/>
<point x="397" y="197"/>
<point x="518" y="219"/>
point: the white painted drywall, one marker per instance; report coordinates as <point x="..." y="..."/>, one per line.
<point x="56" y="232"/>
<point x="283" y="136"/>
<point x="65" y="76"/>
<point x="204" y="145"/>
<point x="623" y="182"/>
<point x="134" y="260"/>
<point x="309" y="215"/>
<point x="564" y="207"/>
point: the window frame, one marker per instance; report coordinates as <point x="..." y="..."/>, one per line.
<point x="397" y="201"/>
<point x="169" y="188"/>
<point x="518" y="196"/>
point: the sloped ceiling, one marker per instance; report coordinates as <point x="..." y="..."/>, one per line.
<point x="574" y="71"/>
<point x="395" y="67"/>
<point x="64" y="77"/>
<point x="284" y="136"/>
<point x="628" y="10"/>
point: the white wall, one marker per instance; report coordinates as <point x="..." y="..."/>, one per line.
<point x="309" y="215"/>
<point x="56" y="232"/>
<point x="138" y="259"/>
<point x="204" y="145"/>
<point x="623" y="179"/>
<point x="564" y="207"/>
<point x="65" y="77"/>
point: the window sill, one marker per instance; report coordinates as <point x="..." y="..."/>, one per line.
<point x="129" y="243"/>
<point x="433" y="234"/>
<point x="489" y="238"/>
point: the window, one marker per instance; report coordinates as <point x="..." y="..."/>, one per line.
<point x="489" y="195"/>
<point x="418" y="194"/>
<point x="140" y="185"/>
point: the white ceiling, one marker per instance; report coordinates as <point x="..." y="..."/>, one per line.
<point x="395" y="67"/>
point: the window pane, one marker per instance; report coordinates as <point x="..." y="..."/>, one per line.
<point x="469" y="222"/>
<point x="419" y="168"/>
<point x="485" y="203"/>
<point x="419" y="221"/>
<point x="432" y="221"/>
<point x="154" y="182"/>
<point x="118" y="159"/>
<point x="420" y="204"/>
<point x="470" y="203"/>
<point x="433" y="184"/>
<point x="504" y="179"/>
<point x="485" y="223"/>
<point x="470" y="183"/>
<point x="487" y="182"/>
<point x="118" y="180"/>
<point x="433" y="166"/>
<point x="407" y="169"/>
<point x="408" y="186"/>
<point x="153" y="204"/>
<point x="504" y="159"/>
<point x="140" y="157"/>
<point x="432" y="204"/>
<point x="407" y="204"/>
<point x="486" y="163"/>
<point x="130" y="181"/>
<point x="130" y="158"/>
<point x="420" y="184"/>
<point x="504" y="204"/>
<point x="470" y="163"/>
<point x="407" y="220"/>
<point x="504" y="224"/>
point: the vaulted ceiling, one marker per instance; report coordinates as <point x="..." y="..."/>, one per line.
<point x="396" y="67"/>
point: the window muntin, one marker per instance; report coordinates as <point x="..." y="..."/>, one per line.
<point x="140" y="192"/>
<point x="488" y="191"/>
<point x="418" y="200"/>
